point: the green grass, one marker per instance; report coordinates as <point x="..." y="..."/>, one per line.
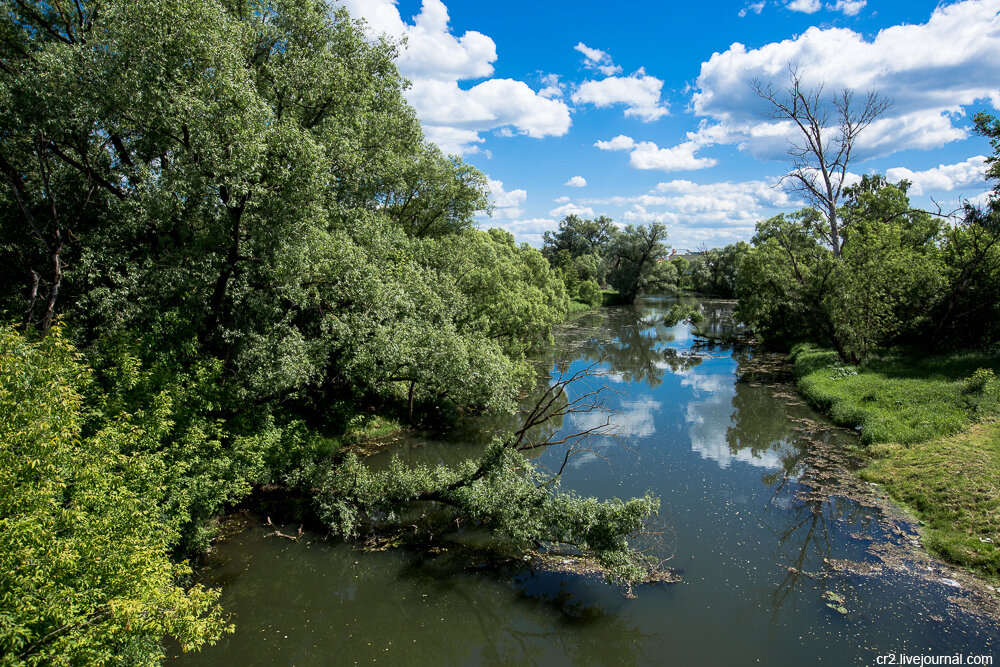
<point x="898" y="397"/>
<point x="930" y="423"/>
<point x="953" y="485"/>
<point x="370" y="427"/>
<point x="578" y="306"/>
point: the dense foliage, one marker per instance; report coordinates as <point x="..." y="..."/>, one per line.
<point x="85" y="549"/>
<point x="234" y="213"/>
<point x="903" y="276"/>
<point x="590" y="254"/>
<point x="712" y="272"/>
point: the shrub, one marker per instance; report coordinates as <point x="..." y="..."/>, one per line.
<point x="590" y="293"/>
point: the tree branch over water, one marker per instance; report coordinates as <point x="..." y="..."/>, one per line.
<point x="502" y="491"/>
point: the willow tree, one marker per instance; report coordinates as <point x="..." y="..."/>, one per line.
<point x="235" y="212"/>
<point x="638" y="255"/>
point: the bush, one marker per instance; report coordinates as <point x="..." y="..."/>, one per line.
<point x="590" y="293"/>
<point x="978" y="381"/>
<point x="85" y="571"/>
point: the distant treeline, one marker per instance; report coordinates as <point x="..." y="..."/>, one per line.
<point x="595" y="255"/>
<point x="903" y="275"/>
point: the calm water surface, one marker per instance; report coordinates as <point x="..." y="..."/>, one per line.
<point x="728" y="459"/>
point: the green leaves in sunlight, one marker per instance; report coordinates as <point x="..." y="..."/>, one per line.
<point x="85" y="549"/>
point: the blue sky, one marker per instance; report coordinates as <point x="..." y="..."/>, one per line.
<point x="642" y="111"/>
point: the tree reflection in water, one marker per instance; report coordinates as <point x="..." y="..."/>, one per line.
<point x="445" y="609"/>
<point x="765" y="554"/>
<point x="632" y="342"/>
<point x="803" y="498"/>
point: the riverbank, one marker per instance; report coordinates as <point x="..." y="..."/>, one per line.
<point x="932" y="436"/>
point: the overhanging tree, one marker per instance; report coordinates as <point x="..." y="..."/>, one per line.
<point x="234" y="210"/>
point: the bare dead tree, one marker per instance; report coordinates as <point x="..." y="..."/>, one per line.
<point x="552" y="404"/>
<point x="827" y="131"/>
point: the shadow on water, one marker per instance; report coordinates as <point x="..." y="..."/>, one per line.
<point x="316" y="602"/>
<point x="771" y="531"/>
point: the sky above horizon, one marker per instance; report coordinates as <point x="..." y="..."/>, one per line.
<point x="644" y="111"/>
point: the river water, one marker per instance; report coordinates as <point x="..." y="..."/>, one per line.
<point x="764" y="547"/>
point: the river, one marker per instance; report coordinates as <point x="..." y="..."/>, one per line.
<point x="765" y="540"/>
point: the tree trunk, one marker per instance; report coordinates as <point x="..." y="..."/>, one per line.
<point x="834" y="228"/>
<point x="57" y="275"/>
<point x="32" y="297"/>
<point x="219" y="307"/>
<point x="412" y="385"/>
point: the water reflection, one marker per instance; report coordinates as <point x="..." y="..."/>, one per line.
<point x="633" y="345"/>
<point x="758" y="424"/>
<point x="319" y="603"/>
<point x="747" y="475"/>
<point x="718" y="321"/>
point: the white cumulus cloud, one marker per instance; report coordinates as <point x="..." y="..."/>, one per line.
<point x="848" y="7"/>
<point x="577" y="182"/>
<point x="647" y="155"/>
<point x="639" y="93"/>
<point x="506" y="204"/>
<point x="929" y="70"/>
<point x="756" y="8"/>
<point x="698" y="214"/>
<point x="436" y="60"/>
<point x="552" y="87"/>
<point x="619" y="143"/>
<point x="805" y="6"/>
<point x="597" y="59"/>
<point x="572" y="209"/>
<point x="944" y="177"/>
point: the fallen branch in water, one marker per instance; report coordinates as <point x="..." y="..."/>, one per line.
<point x="278" y="533"/>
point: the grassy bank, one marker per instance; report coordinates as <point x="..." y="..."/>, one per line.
<point x="576" y="306"/>
<point x="933" y="435"/>
<point x="899" y="397"/>
<point x="953" y="485"/>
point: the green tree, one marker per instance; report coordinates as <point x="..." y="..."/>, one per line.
<point x="500" y="491"/>
<point x="451" y="321"/>
<point x="891" y="275"/>
<point x="85" y="572"/>
<point x="638" y="253"/>
<point x="784" y="281"/>
<point x="235" y="212"/>
<point x="969" y="314"/>
<point x="236" y="191"/>
<point x="885" y="287"/>
<point x="433" y="195"/>
<point x="882" y="288"/>
<point x="683" y="267"/>
<point x="713" y="272"/>
<point x="580" y="237"/>
<point x="581" y="250"/>
<point x="590" y="293"/>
